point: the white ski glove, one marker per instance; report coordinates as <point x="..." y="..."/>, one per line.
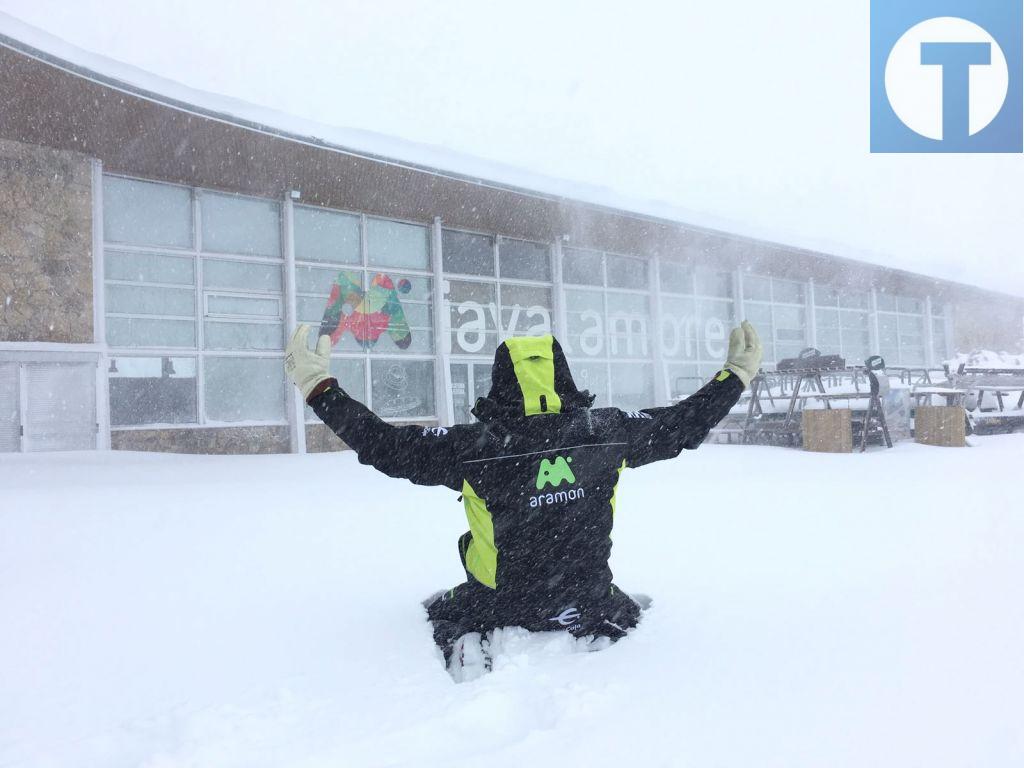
<point x="305" y="368"/>
<point x="745" y="353"/>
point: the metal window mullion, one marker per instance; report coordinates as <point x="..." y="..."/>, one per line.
<point x="558" y="318"/>
<point x="874" y="331"/>
<point x="607" y="327"/>
<point x="99" y="311"/>
<point x="812" y="321"/>
<point x="197" y="244"/>
<point x="442" y="335"/>
<point x="661" y="388"/>
<point x="929" y="333"/>
<point x="295" y="413"/>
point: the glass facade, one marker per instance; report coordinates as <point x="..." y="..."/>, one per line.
<point x="199" y="286"/>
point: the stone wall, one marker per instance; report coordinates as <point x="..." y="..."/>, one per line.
<point x="45" y="245"/>
<point x="212" y="440"/>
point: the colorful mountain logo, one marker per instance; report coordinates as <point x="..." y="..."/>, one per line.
<point x="368" y="315"/>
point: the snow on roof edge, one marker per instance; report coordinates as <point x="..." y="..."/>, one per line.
<point x="54" y="51"/>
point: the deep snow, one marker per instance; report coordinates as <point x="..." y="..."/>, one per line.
<point x="810" y="610"/>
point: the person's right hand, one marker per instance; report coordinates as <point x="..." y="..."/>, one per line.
<point x="304" y="367"/>
<point x="745" y="353"/>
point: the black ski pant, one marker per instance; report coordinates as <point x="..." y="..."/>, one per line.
<point x="474" y="607"/>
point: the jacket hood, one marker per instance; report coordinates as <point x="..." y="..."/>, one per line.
<point x="530" y="376"/>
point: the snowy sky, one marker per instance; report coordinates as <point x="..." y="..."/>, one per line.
<point x="750" y="112"/>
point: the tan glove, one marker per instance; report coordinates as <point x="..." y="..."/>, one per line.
<point x="306" y="369"/>
<point x="745" y="353"/>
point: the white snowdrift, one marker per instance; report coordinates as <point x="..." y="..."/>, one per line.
<point x="986" y="358"/>
<point x="809" y="610"/>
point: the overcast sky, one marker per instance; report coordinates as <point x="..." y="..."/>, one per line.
<point x="754" y="112"/>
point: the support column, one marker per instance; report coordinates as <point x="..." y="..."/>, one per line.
<point x="929" y="333"/>
<point x="812" y="318"/>
<point x="876" y="339"/>
<point x="661" y="389"/>
<point x="442" y="337"/>
<point x="296" y="407"/>
<point x="99" y="312"/>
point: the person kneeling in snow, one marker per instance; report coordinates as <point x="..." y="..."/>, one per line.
<point x="538" y="473"/>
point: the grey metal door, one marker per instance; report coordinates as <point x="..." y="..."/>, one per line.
<point x="59" y="406"/>
<point x="10" y="408"/>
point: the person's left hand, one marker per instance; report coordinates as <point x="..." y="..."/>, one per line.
<point x="307" y="368"/>
<point x="745" y="353"/>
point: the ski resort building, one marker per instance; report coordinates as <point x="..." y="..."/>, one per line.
<point x="155" y="254"/>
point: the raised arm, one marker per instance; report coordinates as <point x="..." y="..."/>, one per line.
<point x="424" y="455"/>
<point x="663" y="433"/>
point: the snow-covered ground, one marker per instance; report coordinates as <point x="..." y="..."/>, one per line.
<point x="810" y="610"/>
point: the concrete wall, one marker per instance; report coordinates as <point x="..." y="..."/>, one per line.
<point x="45" y="245"/>
<point x="216" y="440"/>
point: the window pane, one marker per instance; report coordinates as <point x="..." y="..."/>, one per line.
<point x="466" y="253"/>
<point x="675" y="277"/>
<point x="149" y="268"/>
<point x="716" y="320"/>
<point x="757" y="288"/>
<point x="524" y="260"/>
<point x="679" y="328"/>
<point x="910" y="306"/>
<point x="144" y="300"/>
<point x="854" y="320"/>
<point x="826" y="295"/>
<point x="240" y="225"/>
<point x="886" y="302"/>
<point x="787" y="292"/>
<point x="683" y="380"/>
<point x="854" y="300"/>
<point x="144" y="213"/>
<point x="400" y="319"/>
<point x="584" y="315"/>
<point x="472" y="317"/>
<point x="244" y="306"/>
<point x="632" y="386"/>
<point x="829" y="340"/>
<point x="152" y="390"/>
<point x="856" y="346"/>
<point x="402" y="389"/>
<point x="525" y="310"/>
<point x="582" y="267"/>
<point x="710" y="283"/>
<point x="144" y="332"/>
<point x="320" y="281"/>
<point x="395" y="244"/>
<point x="322" y="235"/>
<point x="244" y="389"/>
<point x="826" y="319"/>
<point x="241" y="276"/>
<point x="629" y="325"/>
<point x="593" y="378"/>
<point x="627" y="273"/>
<point x="351" y="375"/>
<point x="887" y="331"/>
<point x="218" y="335"/>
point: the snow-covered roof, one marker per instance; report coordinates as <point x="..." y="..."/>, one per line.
<point x="443" y="160"/>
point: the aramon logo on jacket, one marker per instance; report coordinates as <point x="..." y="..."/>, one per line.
<point x="554" y="473"/>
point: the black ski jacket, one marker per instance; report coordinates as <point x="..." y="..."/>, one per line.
<point x="539" y="470"/>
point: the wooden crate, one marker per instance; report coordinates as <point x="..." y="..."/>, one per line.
<point x="828" y="431"/>
<point x="943" y="425"/>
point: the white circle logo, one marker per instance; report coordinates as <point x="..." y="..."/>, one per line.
<point x="915" y="89"/>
